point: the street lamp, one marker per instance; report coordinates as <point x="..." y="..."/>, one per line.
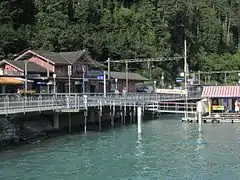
<point x="162" y="79"/>
<point x="238" y="78"/>
<point x="116" y="85"/>
<point x="151" y="71"/>
<point x="155" y="82"/>
<point x="54" y="83"/>
<point x="83" y="78"/>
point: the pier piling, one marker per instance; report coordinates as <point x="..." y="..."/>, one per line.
<point x="113" y="114"/>
<point x="69" y="122"/>
<point x="56" y="121"/>
<point x="139" y="111"/>
<point x="100" y="117"/>
<point x="85" y="121"/>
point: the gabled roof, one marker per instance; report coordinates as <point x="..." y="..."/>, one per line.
<point x="20" y="65"/>
<point x="64" y="58"/>
<point x="131" y="76"/>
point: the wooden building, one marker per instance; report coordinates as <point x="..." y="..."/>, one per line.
<point x="58" y="63"/>
<point x="119" y="80"/>
<point x="45" y="68"/>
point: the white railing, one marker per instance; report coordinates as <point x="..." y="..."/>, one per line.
<point x="173" y="107"/>
<point x="13" y="103"/>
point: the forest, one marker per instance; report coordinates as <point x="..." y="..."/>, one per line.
<point x="125" y="29"/>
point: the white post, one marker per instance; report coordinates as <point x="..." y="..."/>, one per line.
<point x="199" y="121"/>
<point x="54" y="83"/>
<point x="104" y="84"/>
<point x="116" y="83"/>
<point x="139" y="112"/>
<point x="199" y="112"/>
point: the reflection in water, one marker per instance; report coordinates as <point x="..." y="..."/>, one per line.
<point x="139" y="148"/>
<point x="185" y="131"/>
<point x="200" y="142"/>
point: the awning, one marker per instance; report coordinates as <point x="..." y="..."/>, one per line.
<point x="21" y="79"/>
<point x="10" y="81"/>
<point x="221" y="91"/>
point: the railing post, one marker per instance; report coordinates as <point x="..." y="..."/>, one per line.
<point x="40" y="103"/>
<point x="67" y="101"/>
<point x="25" y="104"/>
<point x="75" y="101"/>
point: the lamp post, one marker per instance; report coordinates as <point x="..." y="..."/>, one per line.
<point x="162" y="79"/>
<point x="150" y="69"/>
<point x="25" y="70"/>
<point x="238" y="78"/>
<point x="83" y="78"/>
<point x="54" y="83"/>
<point x="116" y="85"/>
<point x="185" y="77"/>
<point x="155" y="87"/>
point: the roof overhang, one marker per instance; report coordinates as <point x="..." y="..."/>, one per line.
<point x="221" y="92"/>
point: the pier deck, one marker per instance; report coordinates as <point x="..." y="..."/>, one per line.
<point x="13" y="104"/>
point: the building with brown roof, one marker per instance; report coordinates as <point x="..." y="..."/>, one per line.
<point x="41" y="66"/>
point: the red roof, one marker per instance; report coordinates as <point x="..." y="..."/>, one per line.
<point x="220" y="91"/>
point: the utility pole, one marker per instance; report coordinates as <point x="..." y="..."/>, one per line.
<point x="185" y="76"/>
<point x="26" y="79"/>
<point x="127" y="75"/>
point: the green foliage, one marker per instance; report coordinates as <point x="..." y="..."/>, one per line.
<point x="128" y="29"/>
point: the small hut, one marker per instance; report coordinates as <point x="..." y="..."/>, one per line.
<point x="221" y="98"/>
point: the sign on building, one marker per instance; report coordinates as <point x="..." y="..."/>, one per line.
<point x="100" y="77"/>
<point x="170" y="91"/>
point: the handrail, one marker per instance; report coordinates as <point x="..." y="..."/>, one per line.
<point x="20" y="104"/>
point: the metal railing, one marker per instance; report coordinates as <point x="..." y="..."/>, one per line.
<point x="14" y="103"/>
<point x="173" y="107"/>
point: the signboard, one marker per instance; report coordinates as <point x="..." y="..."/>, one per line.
<point x="95" y="72"/>
<point x="69" y="70"/>
<point x="100" y="77"/>
<point x="179" y="80"/>
<point x="218" y="108"/>
<point x="170" y="91"/>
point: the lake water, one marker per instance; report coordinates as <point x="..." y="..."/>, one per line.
<point x="167" y="149"/>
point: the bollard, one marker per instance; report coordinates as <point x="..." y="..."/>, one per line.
<point x="199" y="112"/>
<point x="199" y="121"/>
<point x="139" y="112"/>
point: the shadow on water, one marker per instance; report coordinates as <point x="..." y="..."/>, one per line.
<point x="50" y="136"/>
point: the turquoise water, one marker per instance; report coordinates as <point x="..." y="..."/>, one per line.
<point x="167" y="149"/>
